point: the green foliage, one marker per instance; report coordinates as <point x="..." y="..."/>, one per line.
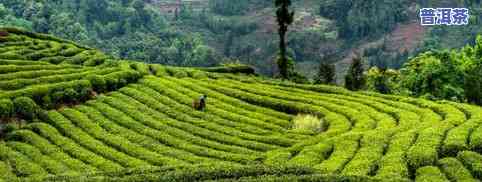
<point x="473" y="161"/>
<point x="26" y="107"/>
<point x="286" y="65"/>
<point x="358" y="19"/>
<point x="6" y="108"/>
<point x="473" y="73"/>
<point x="326" y="74"/>
<point x="307" y="122"/>
<point x="455" y="170"/>
<point x="98" y="82"/>
<point x="433" y="75"/>
<point x="355" y="79"/>
<point x="430" y="173"/>
<point x="284" y="18"/>
<point x="227" y="7"/>
<point x="343" y="151"/>
<point x="382" y="80"/>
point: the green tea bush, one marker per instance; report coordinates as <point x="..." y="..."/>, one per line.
<point x="182" y="94"/>
<point x="158" y="70"/>
<point x="70" y="95"/>
<point x="51" y="150"/>
<point x="50" y="165"/>
<point x="457" y="138"/>
<point x="425" y="149"/>
<point x="476" y="139"/>
<point x="133" y="135"/>
<point x="455" y="170"/>
<point x="53" y="60"/>
<point x="115" y="141"/>
<point x="23" y="166"/>
<point x="430" y="174"/>
<point x="142" y="68"/>
<point x="170" y="156"/>
<point x="371" y="150"/>
<point x="98" y="82"/>
<point x="12" y="56"/>
<point x="26" y="107"/>
<point x="70" y="51"/>
<point x="73" y="148"/>
<point x="277" y="157"/>
<point x="84" y="139"/>
<point x="267" y="113"/>
<point x="172" y="136"/>
<point x="473" y="161"/>
<point x="7" y="108"/>
<point x="245" y="134"/>
<point x="344" y="150"/>
<point x="214" y="132"/>
<point x="177" y="72"/>
<point x="313" y="155"/>
<point x="6" y="172"/>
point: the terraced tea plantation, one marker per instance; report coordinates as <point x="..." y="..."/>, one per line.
<point x="93" y="118"/>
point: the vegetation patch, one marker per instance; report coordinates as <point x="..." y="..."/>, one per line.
<point x="308" y="122"/>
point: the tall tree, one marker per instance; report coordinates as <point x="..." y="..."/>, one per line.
<point x="284" y="17"/>
<point x="326" y="74"/>
<point x="473" y="84"/>
<point x="355" y="80"/>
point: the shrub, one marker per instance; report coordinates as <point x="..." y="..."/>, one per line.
<point x="95" y="61"/>
<point x="158" y="70"/>
<point x="476" y="139"/>
<point x="10" y="127"/>
<point x="430" y="174"/>
<point x="473" y="161"/>
<point x="71" y="51"/>
<point x="455" y="170"/>
<point x="355" y="80"/>
<point x="425" y="150"/>
<point x="84" y="94"/>
<point x="307" y="122"/>
<point x="6" y="108"/>
<point x="57" y="97"/>
<point x="457" y="138"/>
<point x="26" y="107"/>
<point x="47" y="102"/>
<point x="344" y="150"/>
<point x="312" y="155"/>
<point x="142" y="68"/>
<point x="98" y="83"/>
<point x="70" y="95"/>
<point x="111" y="83"/>
<point x="53" y="60"/>
<point x="326" y="74"/>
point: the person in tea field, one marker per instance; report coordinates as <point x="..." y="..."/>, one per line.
<point x="200" y="104"/>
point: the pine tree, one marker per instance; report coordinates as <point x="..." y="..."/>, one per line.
<point x="326" y="74"/>
<point x="284" y="17"/>
<point x="355" y="80"/>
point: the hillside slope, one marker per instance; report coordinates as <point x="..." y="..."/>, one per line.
<point x="134" y="122"/>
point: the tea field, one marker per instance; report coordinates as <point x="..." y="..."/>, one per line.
<point x="89" y="117"/>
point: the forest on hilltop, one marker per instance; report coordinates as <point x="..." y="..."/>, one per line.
<point x="222" y="31"/>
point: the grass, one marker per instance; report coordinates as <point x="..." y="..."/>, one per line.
<point x="307" y="122"/>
